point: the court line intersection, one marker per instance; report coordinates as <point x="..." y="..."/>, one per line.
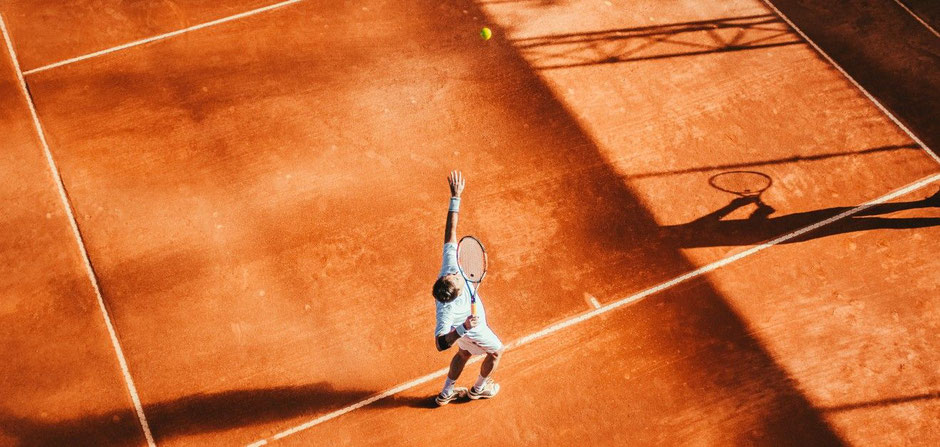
<point x="89" y="269"/>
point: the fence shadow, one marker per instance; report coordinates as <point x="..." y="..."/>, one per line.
<point x="656" y="42"/>
<point x="881" y="402"/>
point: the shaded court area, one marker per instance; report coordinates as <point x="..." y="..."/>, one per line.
<point x="852" y="317"/>
<point x="925" y="10"/>
<point x="886" y="49"/>
<point x="263" y="202"/>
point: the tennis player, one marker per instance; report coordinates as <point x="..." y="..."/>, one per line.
<point x="455" y="323"/>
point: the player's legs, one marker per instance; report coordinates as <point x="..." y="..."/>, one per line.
<point x="457" y="363"/>
<point x="487" y="342"/>
<point x="450" y="392"/>
<point x="490" y="362"/>
<point x="485" y="387"/>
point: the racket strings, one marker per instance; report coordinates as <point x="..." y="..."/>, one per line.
<point x="472" y="259"/>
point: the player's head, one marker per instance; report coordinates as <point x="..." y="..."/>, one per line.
<point x="447" y="288"/>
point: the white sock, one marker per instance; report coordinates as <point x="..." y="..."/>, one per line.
<point x="480" y="382"/>
<point x="448" y="386"/>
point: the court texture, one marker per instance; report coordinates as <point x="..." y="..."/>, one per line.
<point x="221" y="221"/>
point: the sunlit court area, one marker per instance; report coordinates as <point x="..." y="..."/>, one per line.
<point x="706" y="222"/>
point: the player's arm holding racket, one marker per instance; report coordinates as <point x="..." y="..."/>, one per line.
<point x="444" y="342"/>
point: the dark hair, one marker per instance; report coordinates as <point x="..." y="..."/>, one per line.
<point x="444" y="291"/>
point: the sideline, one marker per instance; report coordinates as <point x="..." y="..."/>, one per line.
<point x="89" y="269"/>
<point x="871" y="98"/>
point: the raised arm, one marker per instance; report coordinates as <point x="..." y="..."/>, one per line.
<point x="456" y="181"/>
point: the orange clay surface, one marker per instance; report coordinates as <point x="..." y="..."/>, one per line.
<point x="58" y="363"/>
<point x="263" y="202"/>
<point x="886" y="49"/>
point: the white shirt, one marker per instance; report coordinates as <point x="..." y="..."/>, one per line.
<point x="454" y="313"/>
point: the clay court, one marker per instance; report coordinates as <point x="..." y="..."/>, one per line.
<point x="221" y="222"/>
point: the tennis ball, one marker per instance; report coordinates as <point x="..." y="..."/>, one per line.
<point x="486" y="33"/>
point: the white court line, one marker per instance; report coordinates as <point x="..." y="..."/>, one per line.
<point x="922" y="22"/>
<point x="78" y="239"/>
<point x="160" y="37"/>
<point x="853" y="81"/>
<point x="609" y="307"/>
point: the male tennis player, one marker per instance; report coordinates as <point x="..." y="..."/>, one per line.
<point x="455" y="323"/>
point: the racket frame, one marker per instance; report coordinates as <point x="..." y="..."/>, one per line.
<point x="757" y="193"/>
<point x="473" y="290"/>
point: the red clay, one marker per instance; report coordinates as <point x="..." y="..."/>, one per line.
<point x="46" y="31"/>
<point x="58" y="371"/>
<point x="857" y="342"/>
<point x="263" y="202"/>
<point x="885" y="49"/>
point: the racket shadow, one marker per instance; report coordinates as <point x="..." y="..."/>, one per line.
<point x="762" y="224"/>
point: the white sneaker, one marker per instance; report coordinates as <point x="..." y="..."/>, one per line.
<point x="490" y="388"/>
<point x="457" y="392"/>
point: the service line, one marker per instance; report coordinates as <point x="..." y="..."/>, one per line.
<point x="609" y="307"/>
<point x="160" y="37"/>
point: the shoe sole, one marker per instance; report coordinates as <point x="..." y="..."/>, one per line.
<point x="483" y="396"/>
<point x="457" y="395"/>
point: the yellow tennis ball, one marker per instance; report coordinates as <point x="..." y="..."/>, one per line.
<point x="486" y="33"/>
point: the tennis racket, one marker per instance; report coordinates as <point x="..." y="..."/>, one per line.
<point x="471" y="260"/>
<point x="741" y="183"/>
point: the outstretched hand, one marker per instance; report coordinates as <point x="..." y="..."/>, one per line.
<point x="456" y="181"/>
<point x="745" y="200"/>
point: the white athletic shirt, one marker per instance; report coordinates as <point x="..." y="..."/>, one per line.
<point x="454" y="313"/>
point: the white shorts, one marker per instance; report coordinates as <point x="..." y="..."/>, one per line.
<point x="481" y="340"/>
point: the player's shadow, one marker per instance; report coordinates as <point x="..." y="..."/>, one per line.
<point x="932" y="395"/>
<point x="761" y="225"/>
<point x="194" y="414"/>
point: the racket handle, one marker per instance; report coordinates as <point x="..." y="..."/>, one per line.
<point x="473" y="308"/>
